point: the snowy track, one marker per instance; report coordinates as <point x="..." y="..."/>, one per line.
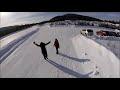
<point x="74" y="61"/>
<point x="9" y="38"/>
<point x="7" y="50"/>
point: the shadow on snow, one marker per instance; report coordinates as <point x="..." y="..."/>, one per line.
<point x="4" y="53"/>
<point x="68" y="71"/>
<point x="73" y="58"/>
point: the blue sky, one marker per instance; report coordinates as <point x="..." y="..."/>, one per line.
<point x="18" y="18"/>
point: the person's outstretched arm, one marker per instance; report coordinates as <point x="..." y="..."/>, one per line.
<point x="48" y="43"/>
<point x="36" y="44"/>
<point x="53" y="44"/>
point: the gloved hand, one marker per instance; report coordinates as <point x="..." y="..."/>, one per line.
<point x="34" y="42"/>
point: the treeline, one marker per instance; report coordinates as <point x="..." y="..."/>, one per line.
<point x="72" y="22"/>
<point x="85" y="23"/>
<point x="73" y="17"/>
<point x="109" y="26"/>
<point x="112" y="21"/>
<point x="12" y="29"/>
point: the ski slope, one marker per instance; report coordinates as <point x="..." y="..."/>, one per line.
<point x="11" y="42"/>
<point x="12" y="37"/>
<point x="79" y="57"/>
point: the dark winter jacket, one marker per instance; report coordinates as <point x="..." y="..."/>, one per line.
<point x="56" y="44"/>
<point x="43" y="48"/>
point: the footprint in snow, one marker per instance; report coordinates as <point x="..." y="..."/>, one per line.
<point x="96" y="73"/>
<point x="96" y="67"/>
<point x="85" y="53"/>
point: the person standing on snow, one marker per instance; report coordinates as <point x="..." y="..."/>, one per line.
<point x="56" y="44"/>
<point x="43" y="49"/>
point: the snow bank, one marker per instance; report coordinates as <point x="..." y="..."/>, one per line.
<point x="112" y="44"/>
<point x="103" y="59"/>
<point x="6" y="40"/>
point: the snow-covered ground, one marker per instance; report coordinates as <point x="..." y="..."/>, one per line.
<point x="102" y="61"/>
<point x="11" y="42"/>
<point x="79" y="57"/>
<point x="6" y="40"/>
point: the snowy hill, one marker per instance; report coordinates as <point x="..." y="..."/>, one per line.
<point x="73" y="17"/>
<point x="80" y="57"/>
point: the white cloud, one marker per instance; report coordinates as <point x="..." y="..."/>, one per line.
<point x="13" y="18"/>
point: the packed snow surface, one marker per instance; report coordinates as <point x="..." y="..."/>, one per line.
<point x="79" y="57"/>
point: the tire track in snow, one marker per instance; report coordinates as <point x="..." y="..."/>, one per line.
<point x="8" y="50"/>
